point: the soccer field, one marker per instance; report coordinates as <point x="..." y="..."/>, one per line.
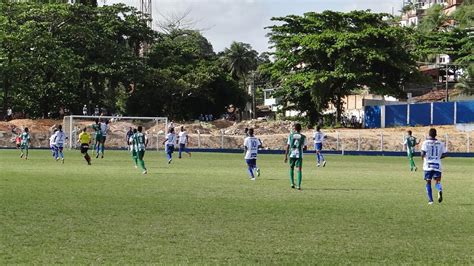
<point x="204" y="209"/>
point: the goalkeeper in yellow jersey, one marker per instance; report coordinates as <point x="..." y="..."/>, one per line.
<point x="85" y="140"/>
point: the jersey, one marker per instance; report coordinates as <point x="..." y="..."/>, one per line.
<point x="433" y="150"/>
<point x="318" y="137"/>
<point x="84" y="138"/>
<point x="59" y="138"/>
<point x="183" y="137"/>
<point x="251" y="144"/>
<point x="139" y="141"/>
<point x="297" y="142"/>
<point x="170" y="139"/>
<point x="410" y="141"/>
<point x="25" y="138"/>
<point x="98" y="133"/>
<point x="52" y="139"/>
<point x="104" y="128"/>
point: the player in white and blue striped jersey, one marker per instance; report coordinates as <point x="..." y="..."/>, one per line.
<point x="319" y="138"/>
<point x="432" y="151"/>
<point x="251" y="146"/>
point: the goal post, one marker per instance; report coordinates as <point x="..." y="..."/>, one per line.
<point x="154" y="127"/>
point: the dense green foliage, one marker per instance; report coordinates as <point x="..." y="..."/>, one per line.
<point x="322" y="57"/>
<point x="60" y="55"/>
<point x="204" y="210"/>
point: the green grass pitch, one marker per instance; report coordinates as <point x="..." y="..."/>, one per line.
<point x="205" y="210"/>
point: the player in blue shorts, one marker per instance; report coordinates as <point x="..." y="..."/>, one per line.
<point x="318" y="138"/>
<point x="251" y="146"/>
<point x="169" y="144"/>
<point x="432" y="151"/>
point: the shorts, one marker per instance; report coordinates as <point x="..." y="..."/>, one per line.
<point x="251" y="162"/>
<point x="98" y="137"/>
<point x="298" y="162"/>
<point x="318" y="146"/>
<point x="59" y="148"/>
<point x="169" y="148"/>
<point x="410" y="152"/>
<point x="428" y="175"/>
<point x="24" y="146"/>
<point x="84" y="148"/>
<point x="103" y="138"/>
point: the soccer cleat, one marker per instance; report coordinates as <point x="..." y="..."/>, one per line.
<point x="169" y="161"/>
<point x="292" y="186"/>
<point x="324" y="163"/>
<point x="257" y="170"/>
<point x="136" y="167"/>
<point x="102" y="157"/>
<point x="416" y="168"/>
<point x="145" y="172"/>
<point x="440" y="196"/>
<point x="430" y="203"/>
<point x="21" y="155"/>
<point x="62" y="160"/>
<point x="57" y="159"/>
<point x="319" y="164"/>
<point x="97" y="156"/>
<point x="298" y="188"/>
<point x="252" y="179"/>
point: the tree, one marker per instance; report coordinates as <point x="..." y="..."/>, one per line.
<point x="185" y="79"/>
<point x="239" y="59"/>
<point x="466" y="82"/>
<point x="322" y="57"/>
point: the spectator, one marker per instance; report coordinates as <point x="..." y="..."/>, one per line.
<point x="9" y="114"/>
<point x="84" y="110"/>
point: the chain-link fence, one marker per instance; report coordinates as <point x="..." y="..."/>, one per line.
<point x="356" y="140"/>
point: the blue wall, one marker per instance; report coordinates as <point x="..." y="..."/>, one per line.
<point x="372" y="117"/>
<point x="443" y="113"/>
<point x="465" y="112"/>
<point x="420" y="114"/>
<point x="395" y="115"/>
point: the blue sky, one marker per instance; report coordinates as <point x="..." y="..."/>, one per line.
<point x="224" y="21"/>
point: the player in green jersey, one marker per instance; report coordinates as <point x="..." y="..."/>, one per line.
<point x="140" y="142"/>
<point x="25" y="143"/>
<point x="296" y="145"/>
<point x="132" y="146"/>
<point x="97" y="137"/>
<point x="410" y="143"/>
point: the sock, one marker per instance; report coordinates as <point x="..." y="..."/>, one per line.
<point x="412" y="163"/>
<point x="61" y="154"/>
<point x="102" y="148"/>
<point x="250" y="169"/>
<point x="292" y="176"/>
<point x="318" y="157"/>
<point x="429" y="192"/>
<point x="300" y="177"/>
<point x="87" y="157"/>
<point x="142" y="164"/>
<point x="439" y="187"/>
<point x="322" y="157"/>
<point x="135" y="159"/>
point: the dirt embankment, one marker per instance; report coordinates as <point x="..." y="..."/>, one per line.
<point x="226" y="134"/>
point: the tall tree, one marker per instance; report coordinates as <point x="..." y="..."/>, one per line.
<point x="321" y="57"/>
<point x="239" y="59"/>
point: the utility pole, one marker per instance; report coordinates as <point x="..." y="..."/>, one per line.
<point x="146" y="9"/>
<point x="447" y="75"/>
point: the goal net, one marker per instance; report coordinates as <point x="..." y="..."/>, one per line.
<point x="154" y="127"/>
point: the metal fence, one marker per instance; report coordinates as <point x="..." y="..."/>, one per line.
<point x="356" y="140"/>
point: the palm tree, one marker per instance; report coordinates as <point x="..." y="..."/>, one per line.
<point x="466" y="82"/>
<point x="240" y="59"/>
